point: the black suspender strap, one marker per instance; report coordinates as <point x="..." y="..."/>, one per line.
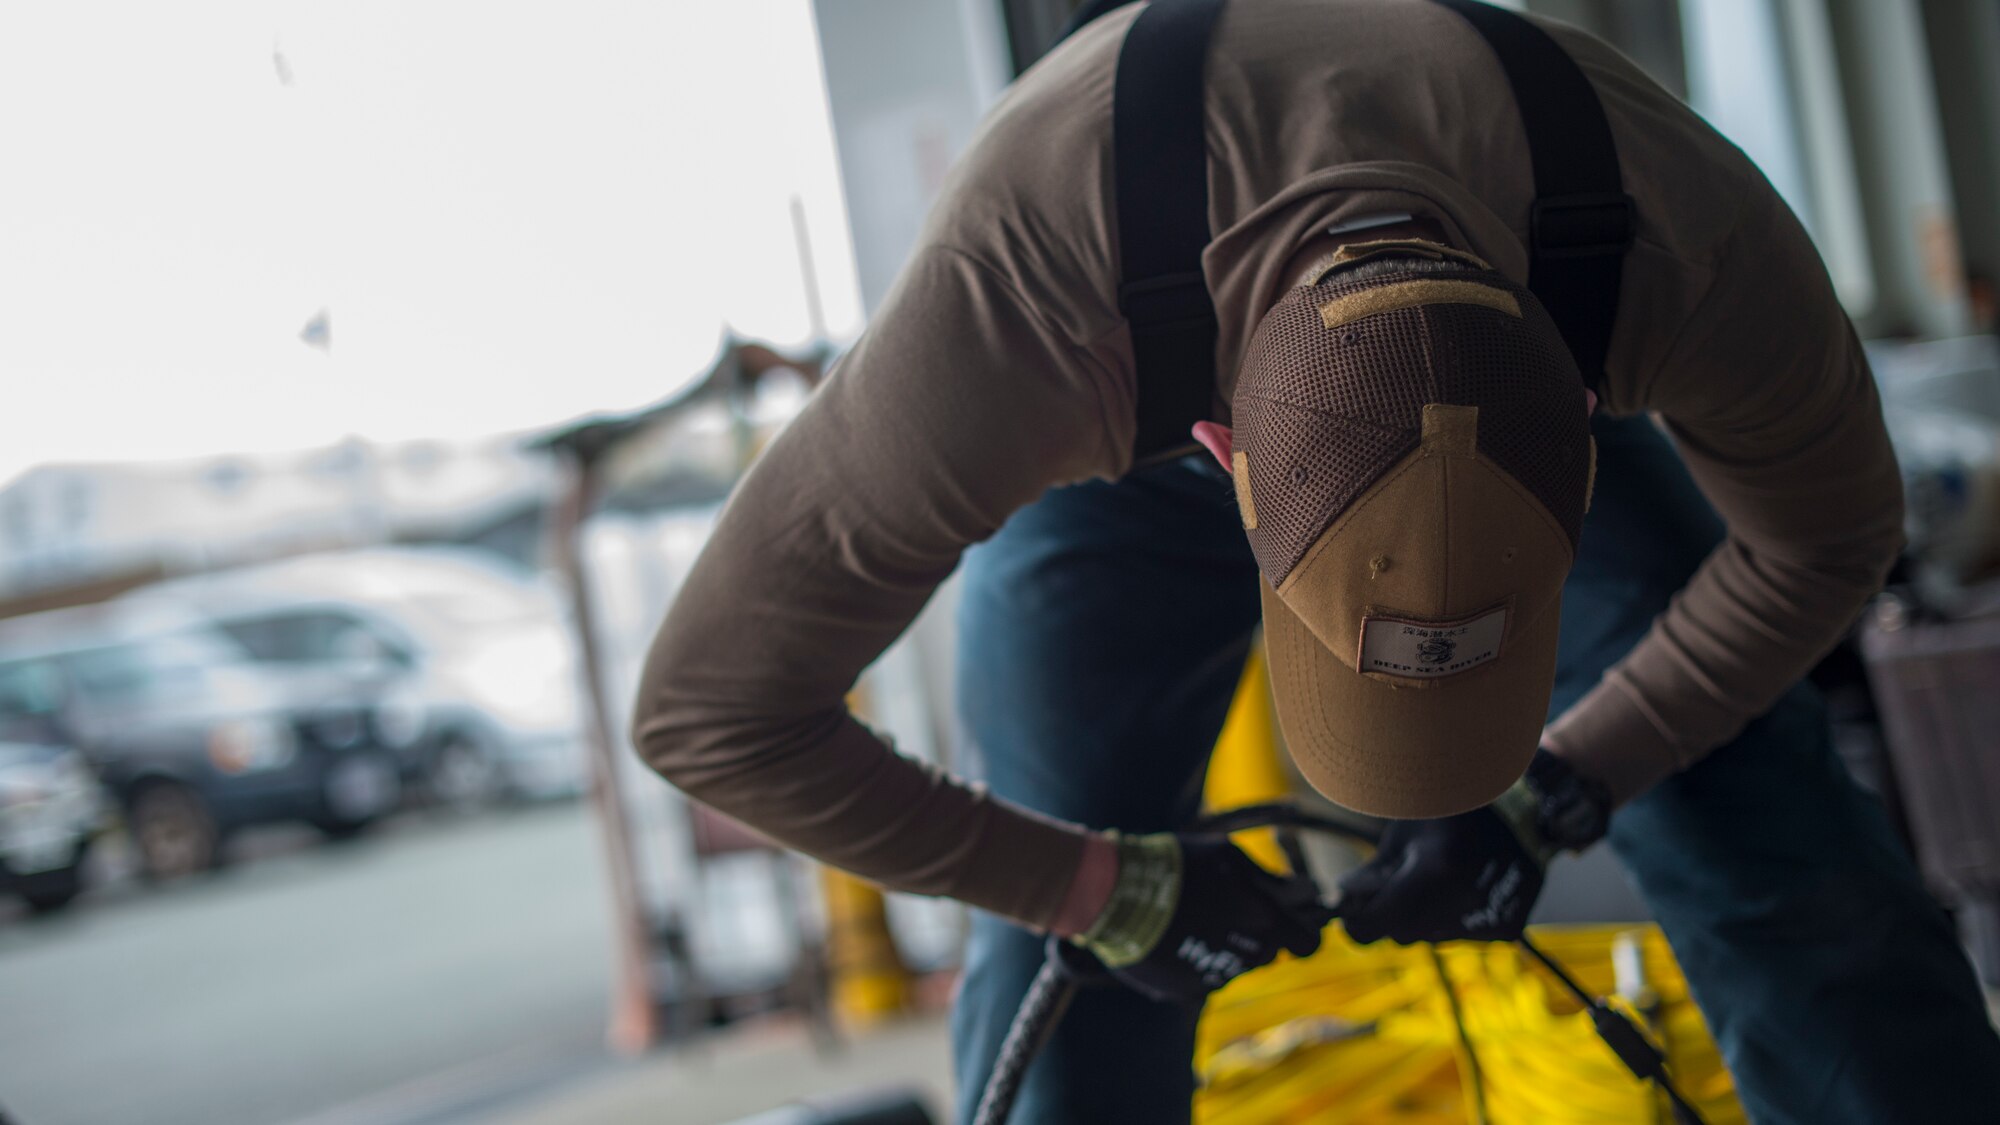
<point x="1087" y="12"/>
<point x="1160" y="165"/>
<point x="1581" y="224"/>
<point x="1582" y="221"/>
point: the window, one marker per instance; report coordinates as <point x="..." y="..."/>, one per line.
<point x="30" y="702"/>
<point x="1765" y="74"/>
<point x="29" y="687"/>
<point x="110" y="675"/>
<point x="172" y="664"/>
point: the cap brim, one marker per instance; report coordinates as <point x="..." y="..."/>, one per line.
<point x="1400" y="751"/>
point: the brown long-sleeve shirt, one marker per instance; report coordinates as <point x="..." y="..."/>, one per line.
<point x="998" y="367"/>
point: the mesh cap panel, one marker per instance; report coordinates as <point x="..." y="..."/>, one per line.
<point x="1530" y="398"/>
<point x="1374" y="370"/>
<point x="1314" y="465"/>
<point x="1321" y="413"/>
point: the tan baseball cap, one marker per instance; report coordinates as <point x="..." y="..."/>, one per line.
<point x="1412" y="460"/>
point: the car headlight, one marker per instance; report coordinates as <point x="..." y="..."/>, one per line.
<point x="66" y="777"/>
<point x="243" y="745"/>
<point x="23" y="787"/>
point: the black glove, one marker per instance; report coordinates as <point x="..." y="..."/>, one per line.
<point x="1464" y="877"/>
<point x="1190" y="913"/>
<point x="1474" y="876"/>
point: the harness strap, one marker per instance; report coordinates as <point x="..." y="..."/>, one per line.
<point x="1580" y="225"/>
<point x="1160" y="162"/>
<point x="1582" y="221"/>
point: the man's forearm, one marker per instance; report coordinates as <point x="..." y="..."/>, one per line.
<point x="1709" y="665"/>
<point x="834" y="791"/>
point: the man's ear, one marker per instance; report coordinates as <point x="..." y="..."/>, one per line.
<point x="1217" y="439"/>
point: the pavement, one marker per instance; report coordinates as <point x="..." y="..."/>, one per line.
<point x="441" y="971"/>
<point x="745" y="1072"/>
<point x="295" y="984"/>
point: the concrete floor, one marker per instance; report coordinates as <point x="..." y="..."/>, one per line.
<point x="442" y="972"/>
<point x="744" y="1073"/>
<point x="437" y="956"/>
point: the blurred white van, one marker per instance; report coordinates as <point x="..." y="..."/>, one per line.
<point x="479" y="677"/>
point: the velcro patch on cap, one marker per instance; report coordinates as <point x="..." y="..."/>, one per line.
<point x="1246" y="504"/>
<point x="1411" y="294"/>
<point x="1431" y="650"/>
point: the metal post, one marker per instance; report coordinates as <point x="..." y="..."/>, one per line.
<point x="634" y="1023"/>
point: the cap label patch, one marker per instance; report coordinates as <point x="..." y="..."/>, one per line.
<point x="1431" y="650"/>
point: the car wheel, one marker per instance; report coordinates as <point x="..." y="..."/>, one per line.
<point x="174" y="831"/>
<point x="359" y="791"/>
<point x="464" y="775"/>
<point x="49" y="891"/>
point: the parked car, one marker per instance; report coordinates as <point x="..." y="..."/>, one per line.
<point x="192" y="738"/>
<point x="474" y="661"/>
<point x="51" y="809"/>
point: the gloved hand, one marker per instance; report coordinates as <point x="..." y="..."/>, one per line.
<point x="1474" y="876"/>
<point x="1464" y="877"/>
<point x="1189" y="913"/>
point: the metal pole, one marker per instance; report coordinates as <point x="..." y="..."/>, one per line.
<point x="634" y="1024"/>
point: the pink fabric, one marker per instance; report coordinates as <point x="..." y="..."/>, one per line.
<point x="1089" y="888"/>
<point x="1217" y="439"/>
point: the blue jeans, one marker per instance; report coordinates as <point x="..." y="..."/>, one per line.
<point x="1103" y="630"/>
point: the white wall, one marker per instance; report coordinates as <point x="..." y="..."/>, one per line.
<point x="907" y="81"/>
<point x="1905" y="176"/>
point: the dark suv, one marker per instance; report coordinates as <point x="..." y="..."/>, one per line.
<point x="191" y="738"/>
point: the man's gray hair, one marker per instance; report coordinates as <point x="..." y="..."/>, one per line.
<point x="1388" y="265"/>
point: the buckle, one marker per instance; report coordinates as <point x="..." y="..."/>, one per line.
<point x="1584" y="225"/>
<point x="1170" y="298"/>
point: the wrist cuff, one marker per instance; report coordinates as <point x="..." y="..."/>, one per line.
<point x="1572" y="810"/>
<point x="1142" y="900"/>
<point x="1520" y="809"/>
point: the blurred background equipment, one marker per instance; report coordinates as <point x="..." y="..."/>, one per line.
<point x="1931" y="644"/>
<point x="679" y="970"/>
<point x="1934" y="679"/>
<point x="1942" y="402"/>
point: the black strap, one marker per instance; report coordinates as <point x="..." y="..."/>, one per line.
<point x="1581" y="223"/>
<point x="1160" y="162"/>
<point x="1088" y="12"/>
<point x="1582" y="220"/>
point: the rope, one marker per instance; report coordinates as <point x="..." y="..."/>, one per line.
<point x="1041" y="1009"/>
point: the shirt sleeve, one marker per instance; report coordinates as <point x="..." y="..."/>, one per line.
<point x="1769" y="399"/>
<point x="956" y="408"/>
